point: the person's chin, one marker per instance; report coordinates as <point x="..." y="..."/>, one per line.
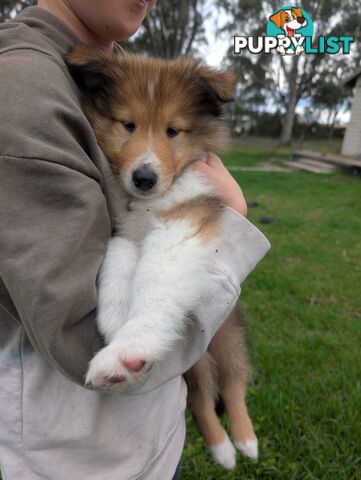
<point x="120" y="34"/>
<point x="128" y="30"/>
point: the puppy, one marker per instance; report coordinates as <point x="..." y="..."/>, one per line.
<point x="152" y="118"/>
<point x="289" y="21"/>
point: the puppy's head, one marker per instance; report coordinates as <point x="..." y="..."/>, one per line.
<point x="289" y="20"/>
<point x="151" y="117"/>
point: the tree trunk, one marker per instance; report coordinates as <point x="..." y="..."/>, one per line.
<point x="172" y="28"/>
<point x="289" y="117"/>
<point x="333" y="123"/>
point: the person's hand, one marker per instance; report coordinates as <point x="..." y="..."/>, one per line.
<point x="225" y="185"/>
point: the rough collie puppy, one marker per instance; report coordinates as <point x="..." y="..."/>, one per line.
<point x="152" y="118"/>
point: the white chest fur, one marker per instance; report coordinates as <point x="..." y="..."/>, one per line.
<point x="136" y="217"/>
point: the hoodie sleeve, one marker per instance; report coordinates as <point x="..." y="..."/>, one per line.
<point x="55" y="223"/>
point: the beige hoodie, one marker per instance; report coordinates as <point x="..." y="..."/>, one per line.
<point x="54" y="227"/>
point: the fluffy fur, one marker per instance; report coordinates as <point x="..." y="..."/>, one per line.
<point x="152" y="118"/>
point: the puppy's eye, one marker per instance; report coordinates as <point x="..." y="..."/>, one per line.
<point x="172" y="132"/>
<point x="287" y="19"/>
<point x="129" y="126"/>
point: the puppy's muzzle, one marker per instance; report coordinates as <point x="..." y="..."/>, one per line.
<point x="144" y="178"/>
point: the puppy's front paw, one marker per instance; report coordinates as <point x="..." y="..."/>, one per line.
<point x="114" y="368"/>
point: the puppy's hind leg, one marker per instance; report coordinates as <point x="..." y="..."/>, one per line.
<point x="228" y="348"/>
<point x="241" y="425"/>
<point x="202" y="393"/>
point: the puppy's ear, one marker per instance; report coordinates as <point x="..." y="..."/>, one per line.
<point x="298" y="11"/>
<point x="91" y="69"/>
<point x="217" y="88"/>
<point x="276" y="18"/>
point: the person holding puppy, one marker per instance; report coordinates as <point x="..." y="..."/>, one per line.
<point x="56" y="222"/>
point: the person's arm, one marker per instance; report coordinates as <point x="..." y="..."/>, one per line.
<point x="53" y="213"/>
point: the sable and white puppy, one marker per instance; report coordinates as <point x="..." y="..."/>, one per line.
<point x="289" y="21"/>
<point x="152" y="118"/>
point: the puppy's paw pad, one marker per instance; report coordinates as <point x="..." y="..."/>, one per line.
<point x="112" y="369"/>
<point x="134" y="365"/>
<point x="106" y="370"/>
<point x="249" y="448"/>
<point x="225" y="454"/>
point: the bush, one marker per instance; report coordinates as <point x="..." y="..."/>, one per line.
<point x="270" y="125"/>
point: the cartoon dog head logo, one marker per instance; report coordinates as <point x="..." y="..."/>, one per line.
<point x="289" y="22"/>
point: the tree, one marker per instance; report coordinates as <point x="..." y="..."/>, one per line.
<point x="10" y="8"/>
<point x="281" y="81"/>
<point x="332" y="98"/>
<point x="172" y="28"/>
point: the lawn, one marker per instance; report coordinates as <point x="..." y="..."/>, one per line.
<point x="303" y="308"/>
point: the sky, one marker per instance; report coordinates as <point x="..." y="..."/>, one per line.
<point x="214" y="55"/>
<point x="214" y="52"/>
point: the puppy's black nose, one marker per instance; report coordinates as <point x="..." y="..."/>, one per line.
<point x="144" y="178"/>
<point x="300" y="19"/>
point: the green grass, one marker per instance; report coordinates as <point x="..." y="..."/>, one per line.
<point x="250" y="156"/>
<point x="304" y="323"/>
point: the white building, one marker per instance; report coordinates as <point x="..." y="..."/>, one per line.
<point x="352" y="140"/>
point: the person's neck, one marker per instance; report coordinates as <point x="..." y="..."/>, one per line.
<point x="63" y="10"/>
